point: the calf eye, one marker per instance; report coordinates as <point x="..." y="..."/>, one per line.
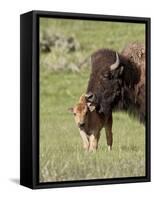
<point x="74" y="114"/>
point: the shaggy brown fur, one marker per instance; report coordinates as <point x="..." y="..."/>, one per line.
<point x="136" y="55"/>
<point x="121" y="88"/>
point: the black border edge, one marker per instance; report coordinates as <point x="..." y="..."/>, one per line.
<point x="91" y="182"/>
<point x="35" y="101"/>
<point x="148" y="99"/>
<point x="26" y="100"/>
<point x="87" y="16"/>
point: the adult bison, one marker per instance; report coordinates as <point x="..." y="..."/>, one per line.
<point x="117" y="81"/>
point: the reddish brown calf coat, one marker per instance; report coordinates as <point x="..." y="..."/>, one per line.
<point x="90" y="125"/>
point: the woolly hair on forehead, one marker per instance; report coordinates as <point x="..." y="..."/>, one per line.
<point x="82" y="99"/>
<point x="80" y="107"/>
<point x="102" y="59"/>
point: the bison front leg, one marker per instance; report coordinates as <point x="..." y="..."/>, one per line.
<point x="108" y="131"/>
<point x="93" y="139"/>
<point x="85" y="140"/>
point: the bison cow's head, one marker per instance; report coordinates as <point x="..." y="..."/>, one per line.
<point x="104" y="87"/>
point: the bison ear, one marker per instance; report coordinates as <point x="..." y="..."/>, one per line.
<point x="70" y="109"/>
<point x="90" y="97"/>
<point x="91" y="107"/>
<point x="121" y="69"/>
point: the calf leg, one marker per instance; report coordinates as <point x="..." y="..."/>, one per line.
<point x="85" y="140"/>
<point x="93" y="139"/>
<point x="108" y="131"/>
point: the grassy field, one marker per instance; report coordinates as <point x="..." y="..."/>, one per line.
<point x="61" y="153"/>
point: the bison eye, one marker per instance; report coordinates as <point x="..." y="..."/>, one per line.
<point x="106" y="76"/>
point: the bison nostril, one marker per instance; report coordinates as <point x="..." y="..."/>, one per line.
<point x="81" y="125"/>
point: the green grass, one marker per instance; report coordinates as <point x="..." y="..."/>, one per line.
<point x="61" y="154"/>
<point x="90" y="35"/>
<point x="94" y="35"/>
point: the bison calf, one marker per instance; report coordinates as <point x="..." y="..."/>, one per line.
<point x="90" y="124"/>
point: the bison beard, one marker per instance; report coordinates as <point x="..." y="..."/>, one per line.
<point x="119" y="89"/>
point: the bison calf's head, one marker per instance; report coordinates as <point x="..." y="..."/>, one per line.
<point x="80" y="111"/>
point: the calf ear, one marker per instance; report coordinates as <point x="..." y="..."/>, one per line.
<point x="91" y="107"/>
<point x="70" y="109"/>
